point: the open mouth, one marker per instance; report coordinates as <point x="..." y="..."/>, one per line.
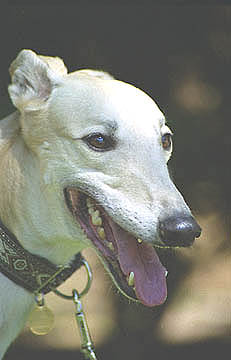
<point x="132" y="263"/>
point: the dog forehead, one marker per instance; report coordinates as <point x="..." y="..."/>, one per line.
<point x="133" y="105"/>
<point x="101" y="102"/>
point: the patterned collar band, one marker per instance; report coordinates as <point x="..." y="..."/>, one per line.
<point x="32" y="272"/>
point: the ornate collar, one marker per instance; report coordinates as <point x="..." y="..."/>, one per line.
<point x="32" y="272"/>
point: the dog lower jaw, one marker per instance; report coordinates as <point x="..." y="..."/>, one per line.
<point x="133" y="264"/>
<point x="90" y="218"/>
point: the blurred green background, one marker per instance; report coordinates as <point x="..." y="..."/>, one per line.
<point x="181" y="56"/>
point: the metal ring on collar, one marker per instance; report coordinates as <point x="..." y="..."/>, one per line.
<point x="85" y="290"/>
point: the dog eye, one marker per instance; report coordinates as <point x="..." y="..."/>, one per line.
<point x="99" y="142"/>
<point x="166" y="141"/>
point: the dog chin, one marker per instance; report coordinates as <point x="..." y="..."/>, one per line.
<point x="132" y="263"/>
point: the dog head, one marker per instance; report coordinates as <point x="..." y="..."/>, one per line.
<point x="102" y="147"/>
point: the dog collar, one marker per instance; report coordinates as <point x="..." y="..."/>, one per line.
<point x="32" y="272"/>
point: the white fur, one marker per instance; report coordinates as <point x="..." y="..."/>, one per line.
<point x="41" y="152"/>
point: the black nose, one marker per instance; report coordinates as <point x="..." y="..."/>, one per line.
<point x="179" y="231"/>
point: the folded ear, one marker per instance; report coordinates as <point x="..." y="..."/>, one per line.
<point x="33" y="79"/>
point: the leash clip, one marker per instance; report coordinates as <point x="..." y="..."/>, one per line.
<point x="87" y="347"/>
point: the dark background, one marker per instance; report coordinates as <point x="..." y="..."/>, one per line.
<point x="181" y="56"/>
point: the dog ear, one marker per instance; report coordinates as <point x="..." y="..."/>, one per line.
<point x="55" y="63"/>
<point x="33" y="78"/>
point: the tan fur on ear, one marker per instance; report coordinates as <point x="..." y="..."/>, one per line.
<point x="55" y="63"/>
<point x="33" y="78"/>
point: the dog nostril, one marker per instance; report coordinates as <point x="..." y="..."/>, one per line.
<point x="179" y="231"/>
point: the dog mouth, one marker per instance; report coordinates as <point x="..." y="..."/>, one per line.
<point x="132" y="263"/>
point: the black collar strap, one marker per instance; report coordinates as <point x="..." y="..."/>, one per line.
<point x="32" y="272"/>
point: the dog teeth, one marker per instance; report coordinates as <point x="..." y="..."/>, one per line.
<point x="91" y="210"/>
<point x="95" y="214"/>
<point x="95" y="218"/>
<point x="111" y="246"/>
<point x="90" y="203"/>
<point x="166" y="273"/>
<point x="101" y="233"/>
<point x="139" y="241"/>
<point x="131" y="279"/>
<point x="97" y="221"/>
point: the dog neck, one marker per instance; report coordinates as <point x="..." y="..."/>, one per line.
<point x="32" y="272"/>
<point x="29" y="208"/>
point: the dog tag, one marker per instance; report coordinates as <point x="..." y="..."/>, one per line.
<point x="41" y="320"/>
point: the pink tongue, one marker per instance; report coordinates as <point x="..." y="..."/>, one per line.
<point x="150" y="279"/>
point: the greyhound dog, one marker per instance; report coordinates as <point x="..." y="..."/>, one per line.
<point x="84" y="164"/>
